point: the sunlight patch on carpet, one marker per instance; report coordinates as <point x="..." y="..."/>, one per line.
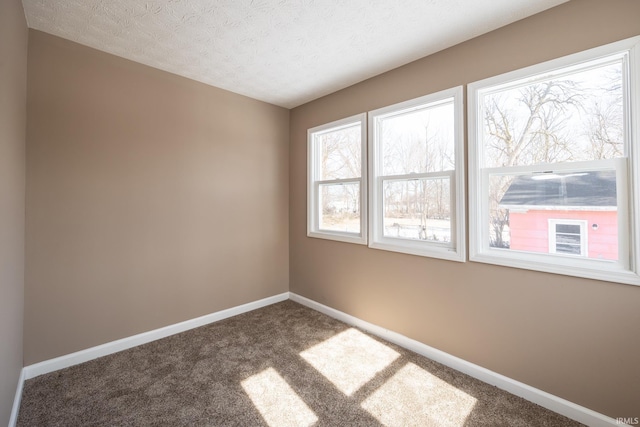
<point x="350" y="359"/>
<point x="276" y="401"/>
<point x="414" y="397"/>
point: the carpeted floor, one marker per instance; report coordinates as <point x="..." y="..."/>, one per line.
<point x="282" y="365"/>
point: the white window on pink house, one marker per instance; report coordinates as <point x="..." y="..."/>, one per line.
<point x="568" y="237"/>
<point x="553" y="165"/>
<point x="540" y="203"/>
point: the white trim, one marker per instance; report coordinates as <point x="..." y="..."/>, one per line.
<point x="542" y="398"/>
<point x="313" y="220"/>
<point x="573" y="61"/>
<point x="455" y="250"/>
<point x="82" y="356"/>
<point x="526" y="208"/>
<point x="633" y="128"/>
<point x="13" y="419"/>
<point x="589" y="268"/>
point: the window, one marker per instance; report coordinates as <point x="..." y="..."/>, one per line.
<point x="552" y="165"/>
<point x="336" y="201"/>
<point x="567" y="237"/>
<point x="416" y="176"/>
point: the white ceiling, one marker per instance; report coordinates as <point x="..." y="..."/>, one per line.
<point x="286" y="52"/>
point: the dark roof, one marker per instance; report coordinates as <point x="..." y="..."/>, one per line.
<point x="597" y="188"/>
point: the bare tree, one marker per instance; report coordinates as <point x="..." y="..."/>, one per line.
<point x="414" y="144"/>
<point x="605" y="127"/>
<point x="529" y="132"/>
<point x="538" y="123"/>
<point x="535" y="133"/>
<point x="341" y="158"/>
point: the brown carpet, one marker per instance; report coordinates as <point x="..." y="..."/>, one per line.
<point x="282" y="365"/>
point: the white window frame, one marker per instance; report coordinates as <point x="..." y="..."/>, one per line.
<point x="456" y="249"/>
<point x="627" y="176"/>
<point x="553" y="235"/>
<point x="313" y="181"/>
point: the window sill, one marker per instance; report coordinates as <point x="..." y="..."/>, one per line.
<point x="582" y="267"/>
<point x="337" y="236"/>
<point x="416" y="248"/>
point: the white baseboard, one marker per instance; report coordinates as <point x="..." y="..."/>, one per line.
<point x="13" y="419"/>
<point x="82" y="356"/>
<point x="542" y="398"/>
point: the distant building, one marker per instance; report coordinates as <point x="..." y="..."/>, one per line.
<point x="568" y="213"/>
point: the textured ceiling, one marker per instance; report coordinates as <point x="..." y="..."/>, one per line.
<point x="286" y="52"/>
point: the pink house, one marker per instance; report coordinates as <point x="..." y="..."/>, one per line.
<point x="574" y="214"/>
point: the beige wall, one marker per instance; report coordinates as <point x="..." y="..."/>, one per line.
<point x="13" y="119"/>
<point x="574" y="338"/>
<point x="151" y="199"/>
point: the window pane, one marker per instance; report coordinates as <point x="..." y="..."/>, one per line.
<point x="522" y="208"/>
<point x="568" y="228"/>
<point x="565" y="118"/>
<point x="568" y="238"/>
<point x="418" y="141"/>
<point x="340" y="207"/>
<point x="340" y="153"/>
<point x="418" y="209"/>
<point x="568" y="249"/>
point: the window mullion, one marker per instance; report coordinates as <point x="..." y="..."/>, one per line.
<point x="417" y="176"/>
<point x="339" y="181"/>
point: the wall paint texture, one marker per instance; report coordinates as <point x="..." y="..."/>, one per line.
<point x="572" y="337"/>
<point x="13" y="123"/>
<point x="151" y="199"/>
